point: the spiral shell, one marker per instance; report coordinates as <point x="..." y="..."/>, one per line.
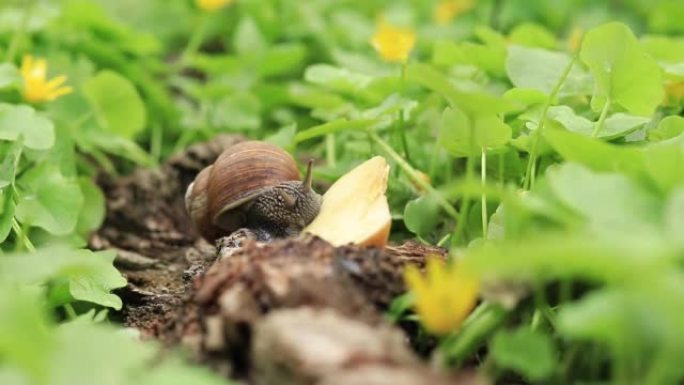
<point x="216" y="199"/>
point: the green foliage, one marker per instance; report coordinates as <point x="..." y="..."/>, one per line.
<point x="37" y="132"/>
<point x="50" y="200"/>
<point x="623" y="72"/>
<point x="116" y="104"/>
<point x="464" y="136"/>
<point x="526" y="351"/>
<point x="542" y="141"/>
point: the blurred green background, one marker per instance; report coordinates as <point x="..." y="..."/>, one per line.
<point x="541" y="141"/>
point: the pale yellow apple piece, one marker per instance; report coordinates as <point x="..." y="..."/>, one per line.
<point x="355" y="208"/>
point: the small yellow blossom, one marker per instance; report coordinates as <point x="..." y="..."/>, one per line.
<point x="444" y="297"/>
<point x="447" y="10"/>
<point x="36" y="86"/>
<point x="575" y="39"/>
<point x="393" y="43"/>
<point x="213" y="5"/>
<point x="674" y="93"/>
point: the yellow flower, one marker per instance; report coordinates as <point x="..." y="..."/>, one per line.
<point x="393" y="43"/>
<point x="447" y="10"/>
<point x="213" y="5"/>
<point x="575" y="39"/>
<point x="674" y="93"/>
<point x="36" y="86"/>
<point x="444" y="297"/>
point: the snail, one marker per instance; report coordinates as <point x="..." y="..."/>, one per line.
<point x="252" y="190"/>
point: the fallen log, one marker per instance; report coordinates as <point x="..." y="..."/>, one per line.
<point x="294" y="311"/>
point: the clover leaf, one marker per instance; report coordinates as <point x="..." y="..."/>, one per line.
<point x="624" y="74"/>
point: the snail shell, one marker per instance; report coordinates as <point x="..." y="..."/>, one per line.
<point x="196" y="204"/>
<point x="241" y="173"/>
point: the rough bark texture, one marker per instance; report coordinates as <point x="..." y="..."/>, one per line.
<point x="295" y="311"/>
<point x="158" y="249"/>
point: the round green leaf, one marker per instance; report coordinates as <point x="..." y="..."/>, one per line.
<point x="9" y="76"/>
<point x="623" y="72"/>
<point x="117" y="104"/>
<point x="50" y="200"/>
<point x="93" y="212"/>
<point x="526" y="351"/>
<point x="669" y="127"/>
<point x="7" y="213"/>
<point x="38" y="132"/>
<point x="541" y="69"/>
<point x="421" y="215"/>
<point x="463" y="135"/>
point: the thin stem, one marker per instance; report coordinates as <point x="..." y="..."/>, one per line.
<point x="156" y="138"/>
<point x="183" y="139"/>
<point x="16" y="227"/>
<point x="19" y="32"/>
<point x="542" y="121"/>
<point x="415" y="176"/>
<point x="483" y="177"/>
<point x="465" y="208"/>
<point x="443" y="241"/>
<point x="70" y="312"/>
<point x="195" y="41"/>
<point x="602" y="118"/>
<point x="330" y="153"/>
<point x="481" y="323"/>
<point x="402" y="123"/>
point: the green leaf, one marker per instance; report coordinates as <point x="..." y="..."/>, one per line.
<point x="336" y="78"/>
<point x="464" y="136"/>
<point x="117" y="145"/>
<point x="49" y="200"/>
<point x="78" y="343"/>
<point x="89" y="276"/>
<point x="285" y="137"/>
<point x="93" y="212"/>
<point x="173" y="372"/>
<point x="624" y="74"/>
<point x="421" y="215"/>
<point x="541" y="70"/>
<point x="9" y="76"/>
<point x="669" y="127"/>
<point x="674" y="217"/>
<point x="664" y="49"/>
<point x="8" y="165"/>
<point x="38" y="132"/>
<point x="595" y="154"/>
<point x="532" y="35"/>
<point x="248" y="38"/>
<point x="117" y="104"/>
<point x="313" y="97"/>
<point x="615" y="126"/>
<point x="282" y="59"/>
<point x="609" y="202"/>
<point x="399" y="306"/>
<point x="7" y="213"/>
<point x="665" y="162"/>
<point x="528" y="352"/>
<point x="25" y="340"/>
<point x="525" y="96"/>
<point x="238" y="112"/>
<point x="333" y="127"/>
<point x="472" y="101"/>
<point x="96" y="286"/>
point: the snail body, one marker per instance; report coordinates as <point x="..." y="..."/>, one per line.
<point x="252" y="189"/>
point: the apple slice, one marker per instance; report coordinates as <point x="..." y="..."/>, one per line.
<point x="355" y="208"/>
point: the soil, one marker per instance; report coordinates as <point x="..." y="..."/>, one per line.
<point x="294" y="311"/>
